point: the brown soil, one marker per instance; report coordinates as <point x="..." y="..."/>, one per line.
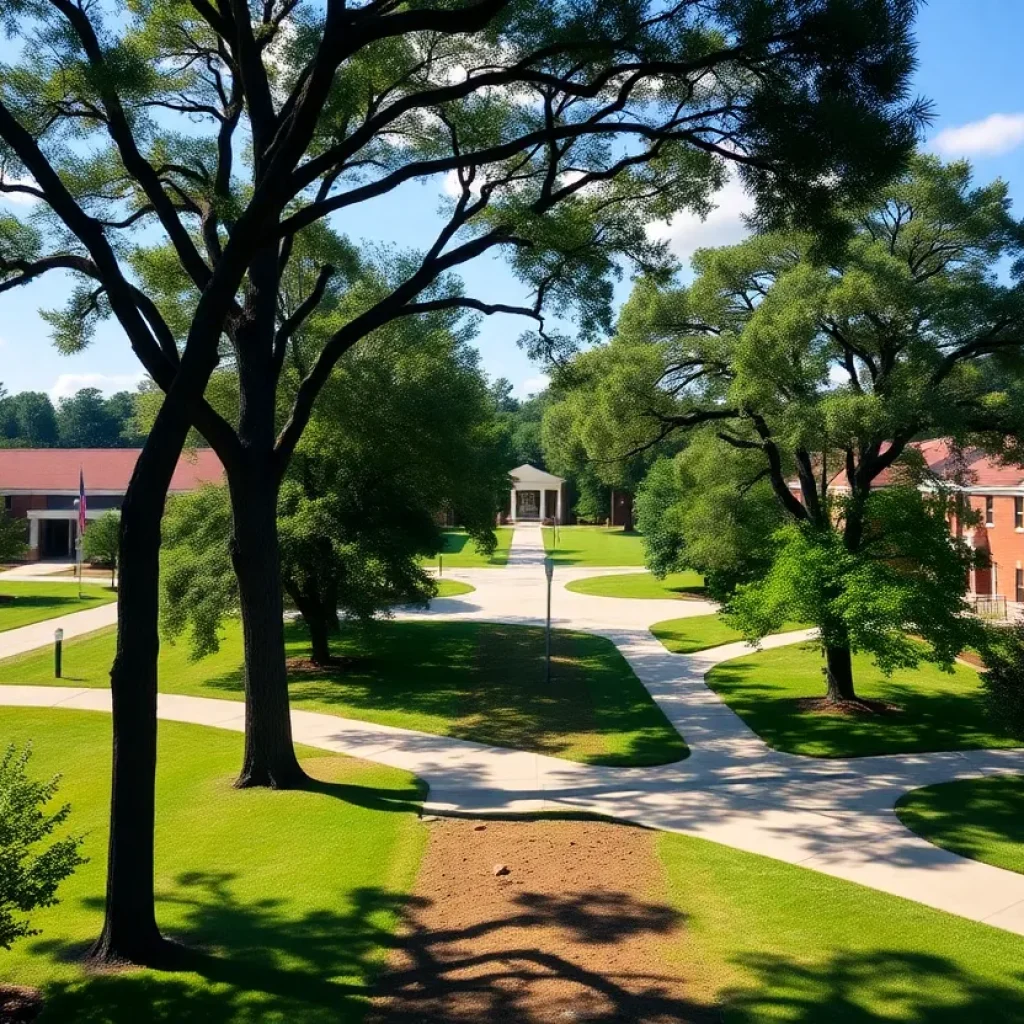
<point x="973" y="659"/>
<point x="306" y="667"/>
<point x="577" y="930"/>
<point x="847" y="708"/>
<point x="19" y="1005"/>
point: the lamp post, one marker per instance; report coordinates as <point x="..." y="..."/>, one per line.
<point x="549" y="571"/>
<point x="58" y="644"/>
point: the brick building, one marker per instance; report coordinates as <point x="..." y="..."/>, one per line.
<point x="41" y="485"/>
<point x="995" y="495"/>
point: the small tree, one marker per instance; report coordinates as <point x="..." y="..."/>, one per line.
<point x="12" y="538"/>
<point x="361" y="502"/>
<point x="30" y="871"/>
<point x="101" y="541"/>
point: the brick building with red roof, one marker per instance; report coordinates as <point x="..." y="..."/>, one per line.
<point x="41" y="485"/>
<point x="994" y="492"/>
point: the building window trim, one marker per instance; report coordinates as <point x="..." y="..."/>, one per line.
<point x="990" y="510"/>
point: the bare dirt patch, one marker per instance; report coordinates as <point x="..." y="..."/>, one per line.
<point x="305" y="668"/>
<point x="537" y="922"/>
<point x="19" y="1005"/>
<point x="847" y="708"/>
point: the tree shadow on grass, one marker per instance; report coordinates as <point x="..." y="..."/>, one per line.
<point x="46" y="601"/>
<point x="255" y="961"/>
<point x="486" y="682"/>
<point x="928" y="719"/>
<point x="864" y="987"/>
<point x="970" y="816"/>
<point x="404" y="801"/>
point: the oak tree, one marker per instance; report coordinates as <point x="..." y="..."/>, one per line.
<point x="225" y="128"/>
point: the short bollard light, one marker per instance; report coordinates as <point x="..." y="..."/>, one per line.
<point x="58" y="645"/>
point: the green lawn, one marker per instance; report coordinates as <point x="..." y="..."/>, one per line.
<point x="594" y="545"/>
<point x="978" y="818"/>
<point x="453" y="588"/>
<point x="473" y="680"/>
<point x="459" y="552"/>
<point x="700" y="632"/>
<point x="697" y="633"/>
<point x="777" y="942"/>
<point x="937" y="710"/>
<point x="34" y="602"/>
<point x="286" y="901"/>
<point x="642" y="585"/>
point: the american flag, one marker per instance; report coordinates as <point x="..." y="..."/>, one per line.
<point x="81" y="502"/>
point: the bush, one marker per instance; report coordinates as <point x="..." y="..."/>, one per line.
<point x="30" y="871"/>
<point x="1003" y="681"/>
<point x="101" y="540"/>
<point x="12" y="538"/>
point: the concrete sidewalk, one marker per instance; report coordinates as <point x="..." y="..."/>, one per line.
<point x="832" y="816"/>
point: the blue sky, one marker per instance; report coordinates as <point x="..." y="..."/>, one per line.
<point x="970" y="67"/>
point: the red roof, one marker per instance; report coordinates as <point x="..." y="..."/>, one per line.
<point x="982" y="470"/>
<point x="50" y="470"/>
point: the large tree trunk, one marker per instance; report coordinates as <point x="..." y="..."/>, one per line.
<point x="130" y="933"/>
<point x="269" y="754"/>
<point x="839" y="674"/>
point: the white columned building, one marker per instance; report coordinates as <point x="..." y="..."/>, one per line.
<point x="537" y="496"/>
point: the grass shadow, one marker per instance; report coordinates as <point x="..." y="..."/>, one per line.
<point x="980" y="818"/>
<point x="486" y="682"/>
<point x="926" y="717"/>
<point x="870" y="987"/>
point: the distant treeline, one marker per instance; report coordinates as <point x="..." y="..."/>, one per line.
<point x="84" y="420"/>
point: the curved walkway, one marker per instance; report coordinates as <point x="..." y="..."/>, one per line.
<point x="833" y="816"/>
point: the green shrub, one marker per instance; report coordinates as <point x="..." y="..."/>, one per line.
<point x="1004" y="679"/>
<point x="30" y="871"/>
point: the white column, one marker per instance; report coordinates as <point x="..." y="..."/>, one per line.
<point x="543" y="504"/>
<point x="33" y="535"/>
<point x="558" y="505"/>
<point x="512" y="507"/>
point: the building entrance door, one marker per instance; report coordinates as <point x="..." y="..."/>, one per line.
<point x="527" y="504"/>
<point x="56" y="538"/>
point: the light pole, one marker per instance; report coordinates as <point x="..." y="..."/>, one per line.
<point x="549" y="571"/>
<point x="58" y="644"/>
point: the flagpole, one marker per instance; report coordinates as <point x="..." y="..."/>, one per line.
<point x="79" y="544"/>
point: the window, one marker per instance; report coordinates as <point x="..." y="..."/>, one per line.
<point x="990" y="515"/>
<point x="1018" y="581"/>
<point x="1018" y="513"/>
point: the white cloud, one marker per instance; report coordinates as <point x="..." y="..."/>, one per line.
<point x="997" y="133"/>
<point x="724" y="225"/>
<point x="532" y="385"/>
<point x="71" y="383"/>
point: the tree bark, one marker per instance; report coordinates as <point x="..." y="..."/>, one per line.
<point x="130" y="933"/>
<point x="269" y="758"/>
<point x="839" y="674"/>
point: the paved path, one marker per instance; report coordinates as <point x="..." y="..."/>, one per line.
<point x="834" y="816"/>
<point x="40" y="634"/>
<point x="40" y="572"/>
